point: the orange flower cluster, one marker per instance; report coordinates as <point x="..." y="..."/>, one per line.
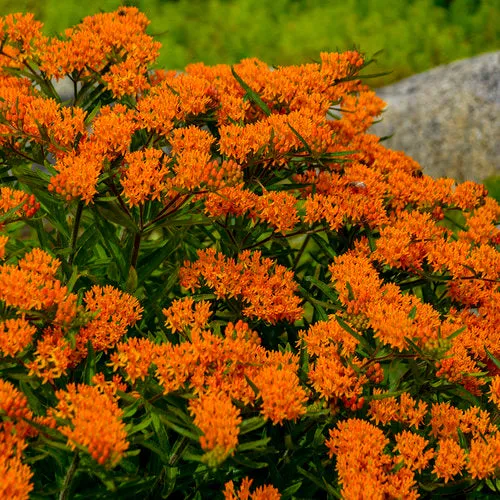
<point x="261" y="150"/>
<point x="267" y="289"/>
<point x="15" y="336"/>
<point x="266" y="492"/>
<point x="363" y="467"/>
<point x="186" y="313"/>
<point x="3" y="242"/>
<point x="114" y="312"/>
<point x="406" y="411"/>
<point x="218" y="419"/>
<point x="13" y="198"/>
<point x="220" y="365"/>
<point x="53" y="355"/>
<point x="277" y="209"/>
<point x="115" y="42"/>
<point x="393" y="316"/>
<point x="15" y="475"/>
<point x="93" y="422"/>
<point x="31" y="285"/>
<point x="144" y="176"/>
<point x="332" y="373"/>
<point x="21" y="35"/>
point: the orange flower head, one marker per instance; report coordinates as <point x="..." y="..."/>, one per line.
<point x="266" y="492"/>
<point x="92" y="420"/>
<point x="218" y="419"/>
<point x="15" y="336"/>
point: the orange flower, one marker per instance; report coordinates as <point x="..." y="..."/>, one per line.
<point x="445" y="420"/>
<point x="13" y="403"/>
<point x="266" y="288"/>
<point x="407" y="411"/>
<point x="108" y="387"/>
<point x="362" y="465"/>
<point x="481" y="224"/>
<point x="157" y="111"/>
<point x="484" y="456"/>
<point x="77" y="175"/>
<point x="12" y="198"/>
<point x="459" y="367"/>
<point x="356" y="280"/>
<point x="282" y="396"/>
<point x="15" y="336"/>
<point x="94" y="422"/>
<point x="102" y="39"/>
<point x="53" y="356"/>
<point x="219" y="420"/>
<point x="20" y="34"/>
<point x="450" y="459"/>
<point x="411" y="448"/>
<point x="495" y="390"/>
<point x="16" y="476"/>
<point x="266" y="492"/>
<point x="143" y="178"/>
<point x="404" y="242"/>
<point x="134" y="357"/>
<point x="332" y="379"/>
<point x="186" y="313"/>
<point x="30" y="284"/>
<point x="3" y="243"/>
<point x="115" y="312"/>
<point x="323" y="335"/>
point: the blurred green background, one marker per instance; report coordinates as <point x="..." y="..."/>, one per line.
<point x="414" y="35"/>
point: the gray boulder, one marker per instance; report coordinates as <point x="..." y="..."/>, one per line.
<point x="448" y="118"/>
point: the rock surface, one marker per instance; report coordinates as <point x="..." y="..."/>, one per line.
<point x="448" y="118"/>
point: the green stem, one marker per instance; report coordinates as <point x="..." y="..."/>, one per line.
<point x="135" y="250"/>
<point x="74" y="234"/>
<point x="301" y="251"/>
<point x="68" y="479"/>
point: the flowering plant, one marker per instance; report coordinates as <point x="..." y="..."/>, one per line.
<point x="218" y="283"/>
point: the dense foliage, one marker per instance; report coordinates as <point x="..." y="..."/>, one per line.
<point x="217" y="283"/>
<point x="414" y="35"/>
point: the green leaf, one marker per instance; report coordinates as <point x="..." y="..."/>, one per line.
<point x="90" y="364"/>
<point x="132" y="280"/>
<point x="288" y="492"/>
<point x="113" y="213"/>
<point x="330" y="294"/>
<point x="350" y="331"/>
<point x="33" y="401"/>
<point x="385" y="395"/>
<point x="456" y="333"/>
<point x="413" y="313"/>
<point x="251" y="424"/>
<point x="153" y="261"/>
<point x="301" y="139"/>
<point x="319" y="482"/>
<point x="143" y="424"/>
<point x="255" y="389"/>
<point x="324" y="246"/>
<point x="180" y="430"/>
<point x="496" y="362"/>
<point x="251" y="94"/>
<point x="254" y="445"/>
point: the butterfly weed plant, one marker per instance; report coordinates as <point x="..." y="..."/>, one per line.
<point x="218" y="284"/>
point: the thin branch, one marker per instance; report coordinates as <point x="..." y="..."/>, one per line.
<point x="74" y="234"/>
<point x="68" y="479"/>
